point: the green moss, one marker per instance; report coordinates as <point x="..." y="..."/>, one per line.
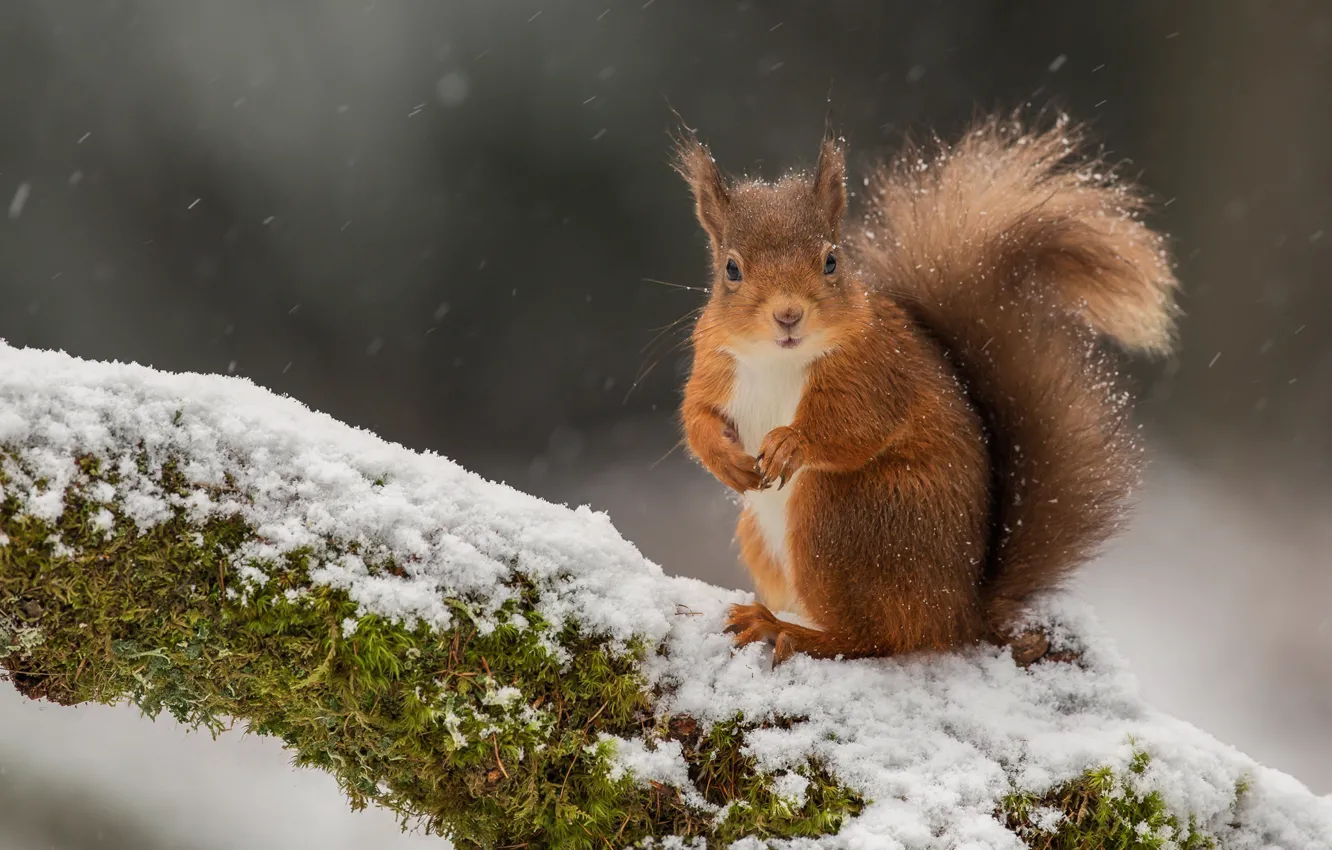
<point x="1100" y="810"/>
<point x="475" y="730"/>
<point x="725" y="776"/>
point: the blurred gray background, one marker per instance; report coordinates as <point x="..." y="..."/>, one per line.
<point x="440" y="221"/>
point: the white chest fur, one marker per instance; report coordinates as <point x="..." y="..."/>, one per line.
<point x="764" y="395"/>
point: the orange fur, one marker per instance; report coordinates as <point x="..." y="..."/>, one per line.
<point x="769" y="578"/>
<point x="917" y="419"/>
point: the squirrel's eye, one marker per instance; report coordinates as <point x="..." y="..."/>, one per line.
<point x="732" y="271"/>
<point x="830" y="264"/>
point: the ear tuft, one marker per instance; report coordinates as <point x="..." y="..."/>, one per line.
<point x="696" y="166"/>
<point x="830" y="183"/>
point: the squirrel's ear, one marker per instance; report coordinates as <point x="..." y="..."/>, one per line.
<point x="711" y="198"/>
<point x="830" y="183"/>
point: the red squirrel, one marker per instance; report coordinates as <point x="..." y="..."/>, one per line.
<point x="916" y="405"/>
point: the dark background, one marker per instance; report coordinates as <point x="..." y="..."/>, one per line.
<point x="438" y="220"/>
<point x="435" y="219"/>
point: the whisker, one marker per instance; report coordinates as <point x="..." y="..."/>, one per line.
<point x="678" y="444"/>
<point x="668" y="328"/>
<point x="674" y="285"/>
<point x="647" y="368"/>
<point x="671" y="324"/>
<point x="642" y="375"/>
<point x="675" y="325"/>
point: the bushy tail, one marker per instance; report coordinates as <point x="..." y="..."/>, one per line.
<point x="1019" y="256"/>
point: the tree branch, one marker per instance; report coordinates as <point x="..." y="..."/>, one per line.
<point x="514" y="672"/>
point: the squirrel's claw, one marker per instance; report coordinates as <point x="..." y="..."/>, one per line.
<point x="743" y="474"/>
<point x="754" y="634"/>
<point x="766" y="476"/>
<point x="752" y="623"/>
<point x="780" y="457"/>
<point x="755" y="623"/>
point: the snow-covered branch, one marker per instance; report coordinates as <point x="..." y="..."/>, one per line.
<point x="514" y="671"/>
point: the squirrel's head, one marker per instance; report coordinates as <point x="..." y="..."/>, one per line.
<point x="780" y="279"/>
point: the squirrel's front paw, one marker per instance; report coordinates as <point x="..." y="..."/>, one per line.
<point x="739" y="471"/>
<point x="780" y="456"/>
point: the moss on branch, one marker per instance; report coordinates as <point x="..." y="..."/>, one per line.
<point x="498" y="732"/>
<point x="478" y="730"/>
<point x="1098" y="811"/>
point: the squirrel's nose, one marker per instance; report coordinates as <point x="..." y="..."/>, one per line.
<point x="788" y="317"/>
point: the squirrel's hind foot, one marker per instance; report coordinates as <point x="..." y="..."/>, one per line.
<point x="754" y="623"/>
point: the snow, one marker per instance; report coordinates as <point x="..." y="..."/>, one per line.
<point x="20" y="200"/>
<point x="791" y="787"/>
<point x="1047" y="819"/>
<point x="306" y="477"/>
<point x="662" y="763"/>
<point x="933" y="743"/>
<point x="452" y="89"/>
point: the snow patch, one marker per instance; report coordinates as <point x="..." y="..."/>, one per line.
<point x="791" y="787"/>
<point x="663" y="762"/>
<point x="632" y="757"/>
<point x="1046" y="819"/>
<point x="301" y="477"/>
